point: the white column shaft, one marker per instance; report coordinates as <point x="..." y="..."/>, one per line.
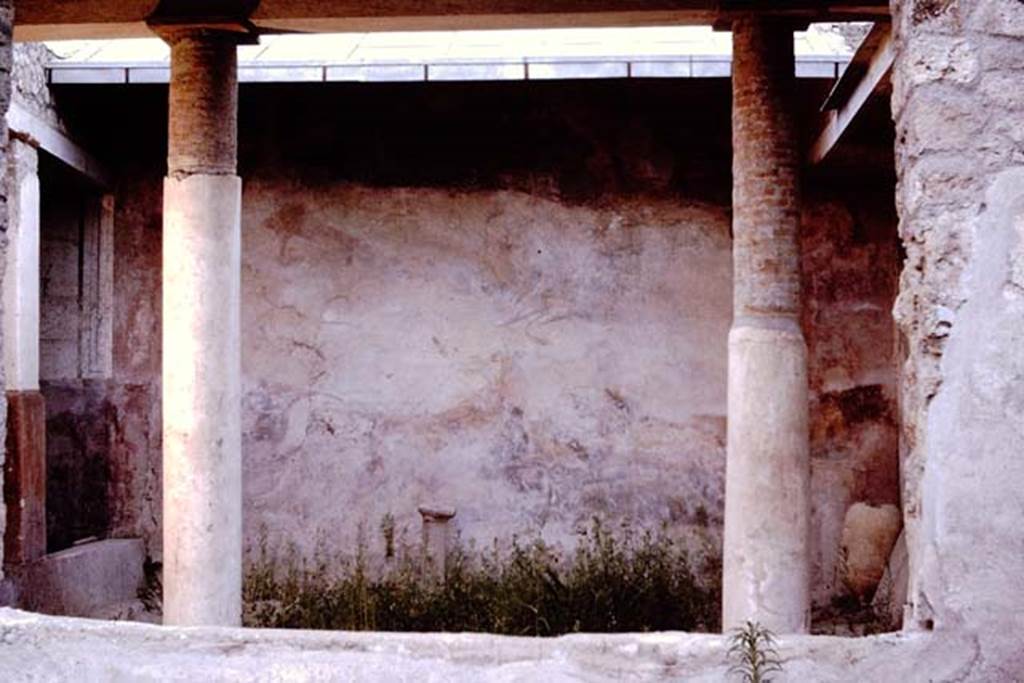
<point x="21" y="279"/>
<point x="201" y="400"/>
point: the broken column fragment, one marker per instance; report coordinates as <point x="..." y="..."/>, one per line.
<point x="437" y="536"/>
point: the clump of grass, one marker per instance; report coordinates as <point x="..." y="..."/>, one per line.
<point x="150" y="593"/>
<point x="613" y="582"/>
<point x="752" y="650"/>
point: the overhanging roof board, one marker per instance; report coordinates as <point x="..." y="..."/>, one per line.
<point x="39" y="20"/>
<point x="867" y="75"/>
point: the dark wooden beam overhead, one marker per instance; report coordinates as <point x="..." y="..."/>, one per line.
<point x="867" y="75"/>
<point x="56" y="19"/>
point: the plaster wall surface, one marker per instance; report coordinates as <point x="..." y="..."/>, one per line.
<point x="850" y="262"/>
<point x="527" y="363"/>
<point x="60" y="295"/>
<point x="514" y="303"/>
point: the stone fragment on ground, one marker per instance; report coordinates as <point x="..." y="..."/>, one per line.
<point x="869" y="534"/>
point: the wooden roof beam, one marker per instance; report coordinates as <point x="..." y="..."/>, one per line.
<point x="867" y="74"/>
<point x="60" y="19"/>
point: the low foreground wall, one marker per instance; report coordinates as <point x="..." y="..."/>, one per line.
<point x="38" y="648"/>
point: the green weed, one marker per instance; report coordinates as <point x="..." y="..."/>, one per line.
<point x="612" y="582"/>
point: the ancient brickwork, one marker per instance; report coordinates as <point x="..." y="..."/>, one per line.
<point x="959" y="107"/>
<point x="766" y="169"/>
<point x="203" y="97"/>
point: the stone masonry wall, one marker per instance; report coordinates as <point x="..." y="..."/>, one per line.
<point x="30" y="88"/>
<point x="959" y="108"/>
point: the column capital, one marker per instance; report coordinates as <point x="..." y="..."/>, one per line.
<point x="173" y="20"/>
<point x="730" y="20"/>
<point x="233" y="34"/>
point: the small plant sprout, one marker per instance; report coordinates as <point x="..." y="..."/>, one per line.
<point x="752" y="651"/>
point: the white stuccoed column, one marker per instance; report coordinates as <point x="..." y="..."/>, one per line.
<point x="21" y="279"/>
<point x="767" y="491"/>
<point x="202" y="473"/>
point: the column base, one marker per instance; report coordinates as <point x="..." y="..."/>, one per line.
<point x="25" y="478"/>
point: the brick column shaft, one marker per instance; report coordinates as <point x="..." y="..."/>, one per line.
<point x="766" y="560"/>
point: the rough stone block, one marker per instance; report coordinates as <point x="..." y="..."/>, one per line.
<point x="940" y="58"/>
<point x="868" y="537"/>
<point x="84" y="580"/>
<point x="1002" y="18"/>
<point x="891" y="596"/>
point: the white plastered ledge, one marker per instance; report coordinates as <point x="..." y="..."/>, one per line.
<point x="41" y="648"/>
